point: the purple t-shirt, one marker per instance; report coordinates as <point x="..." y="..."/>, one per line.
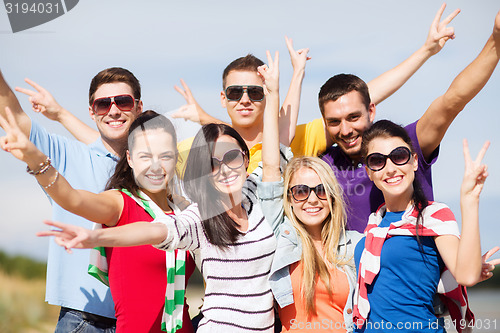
<point x="362" y="197"/>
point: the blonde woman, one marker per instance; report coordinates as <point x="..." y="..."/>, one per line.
<point x="312" y="275"/>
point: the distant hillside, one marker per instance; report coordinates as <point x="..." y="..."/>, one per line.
<point x="22" y="266"/>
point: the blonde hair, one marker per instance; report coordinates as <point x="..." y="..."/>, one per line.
<point x="332" y="229"/>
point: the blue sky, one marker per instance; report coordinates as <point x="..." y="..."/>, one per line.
<point x="163" y="41"/>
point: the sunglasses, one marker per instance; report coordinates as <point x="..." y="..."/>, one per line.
<point x="101" y="106"/>
<point x="233" y="159"/>
<point x="377" y="161"/>
<point x="302" y="192"/>
<point x="255" y="93"/>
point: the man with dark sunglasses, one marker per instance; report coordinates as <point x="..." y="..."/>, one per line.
<point x="348" y="112"/>
<point x="114" y="103"/>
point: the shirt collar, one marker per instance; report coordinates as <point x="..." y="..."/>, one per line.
<point x="98" y="147"/>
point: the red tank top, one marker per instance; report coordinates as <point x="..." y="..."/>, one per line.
<point x="137" y="279"/>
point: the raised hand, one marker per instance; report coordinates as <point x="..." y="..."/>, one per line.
<point x="298" y="57"/>
<point x="15" y="141"/>
<point x="270" y="73"/>
<point x="70" y="236"/>
<point x="191" y="110"/>
<point x="41" y="100"/>
<point x="187" y="112"/>
<point x="475" y="173"/>
<point x="439" y="32"/>
<point x="489" y="266"/>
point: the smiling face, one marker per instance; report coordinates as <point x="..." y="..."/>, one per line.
<point x="395" y="181"/>
<point x="245" y="112"/>
<point x="152" y="159"/>
<point x="346" y="119"/>
<point x="228" y="180"/>
<point x="313" y="211"/>
<point x="114" y="125"/>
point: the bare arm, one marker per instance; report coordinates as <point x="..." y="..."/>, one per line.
<point x="389" y="82"/>
<point x="192" y="110"/>
<point x="270" y="137"/>
<point x="9" y="100"/>
<point x="134" y="234"/>
<point x="102" y="208"/>
<point x="43" y="102"/>
<point x="463" y="256"/>
<point x="290" y="109"/>
<point x="433" y="125"/>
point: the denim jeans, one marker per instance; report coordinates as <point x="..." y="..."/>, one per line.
<point x="71" y="321"/>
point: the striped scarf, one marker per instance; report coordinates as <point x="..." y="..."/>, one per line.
<point x="175" y="264"/>
<point x="438" y="220"/>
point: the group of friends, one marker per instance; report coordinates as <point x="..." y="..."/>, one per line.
<point x="330" y="225"/>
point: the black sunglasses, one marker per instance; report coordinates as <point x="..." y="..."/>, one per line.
<point x="302" y="192"/>
<point x="233" y="159"/>
<point x="399" y="156"/>
<point x="255" y="93"/>
<point x="101" y="106"/>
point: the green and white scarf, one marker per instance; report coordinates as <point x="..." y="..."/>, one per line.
<point x="176" y="269"/>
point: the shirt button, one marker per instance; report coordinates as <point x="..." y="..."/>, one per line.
<point x="349" y="311"/>
<point x="287" y="232"/>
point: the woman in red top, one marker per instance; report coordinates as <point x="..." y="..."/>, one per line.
<point x="140" y="187"/>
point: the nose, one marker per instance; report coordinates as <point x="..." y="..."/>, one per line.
<point x="313" y="198"/>
<point x="224" y="169"/>
<point x="390" y="167"/>
<point x="345" y="129"/>
<point x="244" y="98"/>
<point x="155" y="164"/>
<point x="114" y="110"/>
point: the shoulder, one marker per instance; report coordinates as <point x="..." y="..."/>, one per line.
<point x="439" y="211"/>
<point x="353" y="236"/>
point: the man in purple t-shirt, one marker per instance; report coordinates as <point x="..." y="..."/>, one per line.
<point x="348" y="112"/>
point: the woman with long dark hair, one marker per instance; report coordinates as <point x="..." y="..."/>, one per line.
<point x="141" y="189"/>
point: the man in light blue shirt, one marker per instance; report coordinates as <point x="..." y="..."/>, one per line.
<point x="114" y="103"/>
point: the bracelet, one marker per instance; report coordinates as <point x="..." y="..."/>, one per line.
<point x="52" y="182"/>
<point x="43" y="168"/>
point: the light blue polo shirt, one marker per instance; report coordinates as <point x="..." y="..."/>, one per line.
<point x="88" y="168"/>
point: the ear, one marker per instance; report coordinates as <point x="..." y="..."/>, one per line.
<point x="223" y="100"/>
<point x="371" y="112"/>
<point x="415" y="162"/>
<point x="140" y="107"/>
<point x="129" y="160"/>
<point x="91" y="112"/>
<point x="368" y="172"/>
<point x="247" y="161"/>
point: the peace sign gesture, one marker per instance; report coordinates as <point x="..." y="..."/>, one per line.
<point x="439" y="32"/>
<point x="15" y="141"/>
<point x="270" y="73"/>
<point x="475" y="173"/>
<point x="41" y="100"/>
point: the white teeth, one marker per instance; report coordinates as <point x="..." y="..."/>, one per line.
<point x="156" y="177"/>
<point x="228" y="180"/>
<point x="115" y="123"/>
<point x="394" y="179"/>
<point x="312" y="209"/>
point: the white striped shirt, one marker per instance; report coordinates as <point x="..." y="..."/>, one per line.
<point x="238" y="296"/>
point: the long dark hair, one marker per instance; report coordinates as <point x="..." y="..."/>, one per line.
<point x="123" y="177"/>
<point x="199" y="185"/>
<point x="387" y="129"/>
